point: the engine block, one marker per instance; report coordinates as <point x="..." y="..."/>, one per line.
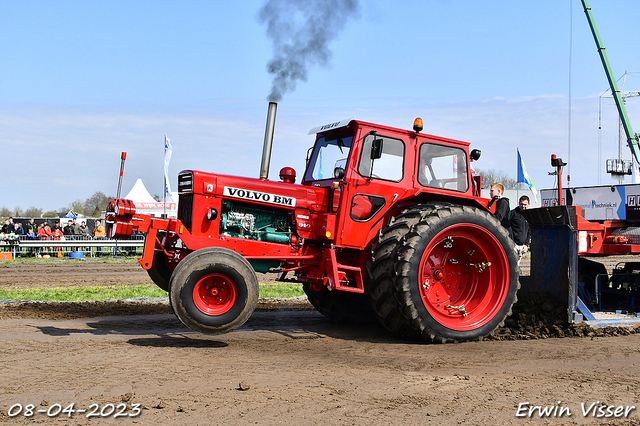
<point x="242" y="220"/>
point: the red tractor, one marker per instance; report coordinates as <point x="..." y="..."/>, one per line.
<point x="386" y="223"/>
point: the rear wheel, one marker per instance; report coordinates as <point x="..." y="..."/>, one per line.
<point x="340" y="306"/>
<point x="213" y="290"/>
<point x="444" y="273"/>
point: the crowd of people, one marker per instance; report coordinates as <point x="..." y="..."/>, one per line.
<point x="46" y="231"/>
<point x="512" y="220"/>
<point x="49" y="230"/>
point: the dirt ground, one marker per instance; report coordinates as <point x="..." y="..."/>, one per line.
<point x="289" y="365"/>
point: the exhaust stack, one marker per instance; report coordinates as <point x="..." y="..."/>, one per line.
<point x="268" y="140"/>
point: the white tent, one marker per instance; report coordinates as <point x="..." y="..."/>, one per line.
<point x="146" y="204"/>
<point x="139" y="193"/>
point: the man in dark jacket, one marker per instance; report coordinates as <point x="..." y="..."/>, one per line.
<point x="7" y="228"/>
<point x="502" y="205"/>
<point x="68" y="230"/>
<point x="520" y="231"/>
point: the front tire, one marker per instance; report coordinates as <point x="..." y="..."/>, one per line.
<point x="159" y="272"/>
<point x="213" y="290"/>
<point x="444" y="273"/>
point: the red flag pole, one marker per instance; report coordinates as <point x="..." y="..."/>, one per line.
<point x="123" y="157"/>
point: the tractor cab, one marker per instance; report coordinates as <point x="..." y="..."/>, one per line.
<point x="369" y="170"/>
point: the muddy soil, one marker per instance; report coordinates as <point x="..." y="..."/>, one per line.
<point x="289" y="365"/>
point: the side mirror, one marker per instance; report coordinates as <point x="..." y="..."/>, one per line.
<point x="309" y="151"/>
<point x="338" y="173"/>
<point x="376" y="149"/>
<point x="475" y="154"/>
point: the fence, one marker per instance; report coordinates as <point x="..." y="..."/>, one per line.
<point x="23" y="246"/>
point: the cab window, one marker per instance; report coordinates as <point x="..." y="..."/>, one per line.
<point x="443" y="167"/>
<point x="390" y="165"/>
<point x="329" y="158"/>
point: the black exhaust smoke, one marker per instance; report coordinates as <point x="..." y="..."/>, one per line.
<point x="301" y="32"/>
<point x="268" y="140"/>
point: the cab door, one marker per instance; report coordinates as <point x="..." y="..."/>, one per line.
<point x="373" y="183"/>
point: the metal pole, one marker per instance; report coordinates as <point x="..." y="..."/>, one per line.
<point x="632" y="139"/>
<point x="268" y="140"/>
<point x="164" y="181"/>
<point x="517" y="175"/>
<point x="123" y="157"/>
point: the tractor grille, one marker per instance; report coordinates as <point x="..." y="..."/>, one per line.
<point x="185" y="210"/>
<point x="185" y="183"/>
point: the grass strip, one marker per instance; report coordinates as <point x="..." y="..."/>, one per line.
<point x="80" y="294"/>
<point x="281" y="290"/>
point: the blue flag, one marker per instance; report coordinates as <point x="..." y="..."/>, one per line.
<point x="523" y="176"/>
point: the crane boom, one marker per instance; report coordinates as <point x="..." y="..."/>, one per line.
<point x="632" y="138"/>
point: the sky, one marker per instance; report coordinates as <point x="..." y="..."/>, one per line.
<point x="81" y="82"/>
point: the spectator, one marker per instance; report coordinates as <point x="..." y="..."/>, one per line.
<point x="502" y="205"/>
<point x="43" y="233"/>
<point x="84" y="230"/>
<point x="99" y="230"/>
<point x="68" y="230"/>
<point x="31" y="231"/>
<point x="99" y="234"/>
<point x="57" y="235"/>
<point x="520" y="231"/>
<point x="31" y="226"/>
<point x="19" y="232"/>
<point x="85" y="233"/>
<point x="7" y="228"/>
<point x="76" y="227"/>
<point x="18" y="229"/>
<point x="56" y="231"/>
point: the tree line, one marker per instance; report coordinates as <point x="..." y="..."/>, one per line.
<point x="492" y="176"/>
<point x="91" y="207"/>
<point x="97" y="203"/>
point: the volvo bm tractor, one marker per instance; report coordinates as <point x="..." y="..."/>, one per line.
<point x="385" y="223"/>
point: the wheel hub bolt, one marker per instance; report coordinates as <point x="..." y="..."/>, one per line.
<point x="448" y="242"/>
<point x="214" y="291"/>
<point x="438" y="274"/>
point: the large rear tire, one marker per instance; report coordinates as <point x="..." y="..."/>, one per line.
<point x="213" y="290"/>
<point x="444" y="273"/>
<point x="340" y="306"/>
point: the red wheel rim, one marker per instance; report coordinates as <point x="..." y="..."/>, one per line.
<point x="214" y="294"/>
<point x="464" y="277"/>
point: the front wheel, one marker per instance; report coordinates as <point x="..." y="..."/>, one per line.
<point x="213" y="290"/>
<point x="159" y="272"/>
